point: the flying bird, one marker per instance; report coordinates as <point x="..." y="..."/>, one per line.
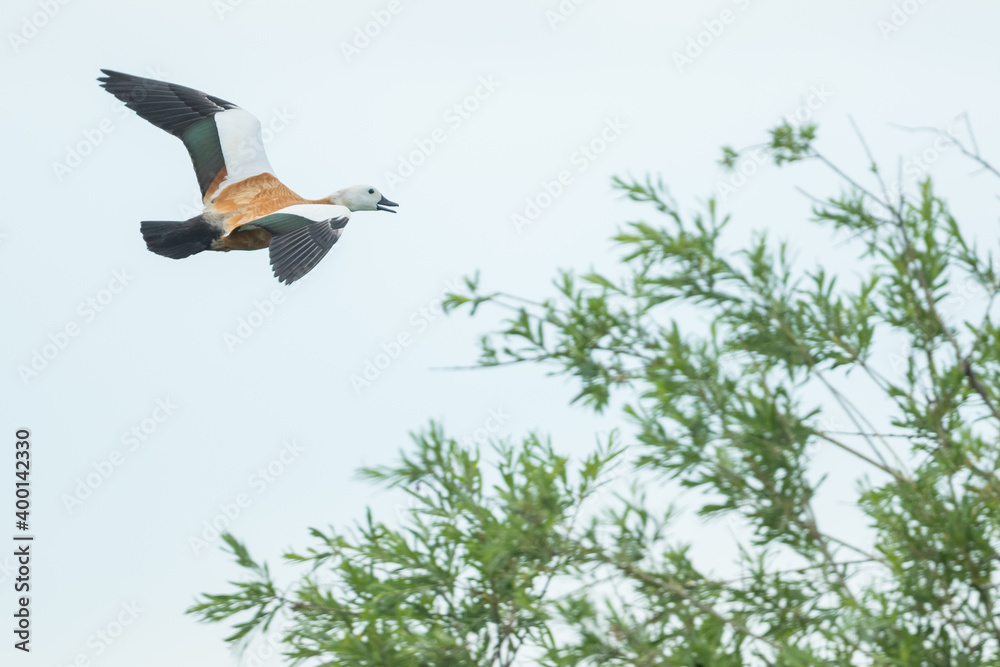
<point x="246" y="206"/>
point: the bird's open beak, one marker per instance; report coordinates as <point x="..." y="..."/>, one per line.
<point x="384" y="205"/>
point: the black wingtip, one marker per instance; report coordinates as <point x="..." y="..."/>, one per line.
<point x="109" y="74"/>
<point x="115" y="77"/>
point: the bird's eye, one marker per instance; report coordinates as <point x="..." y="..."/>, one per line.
<point x="371" y="191"/>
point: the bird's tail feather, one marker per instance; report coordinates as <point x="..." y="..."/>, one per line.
<point x="178" y="240"/>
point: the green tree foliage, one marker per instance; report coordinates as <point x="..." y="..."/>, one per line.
<point x="734" y="369"/>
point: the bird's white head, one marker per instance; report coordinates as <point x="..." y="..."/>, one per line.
<point x="362" y="198"/>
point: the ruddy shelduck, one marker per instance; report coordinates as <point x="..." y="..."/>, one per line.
<point x="245" y="206"/>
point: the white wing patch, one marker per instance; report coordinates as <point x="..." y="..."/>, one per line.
<point x="242" y="146"/>
<point x="317" y="212"/>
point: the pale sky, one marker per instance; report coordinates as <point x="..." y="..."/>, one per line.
<point x="462" y="113"/>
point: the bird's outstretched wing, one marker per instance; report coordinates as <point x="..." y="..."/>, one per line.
<point x="223" y="140"/>
<point x="301" y="235"/>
